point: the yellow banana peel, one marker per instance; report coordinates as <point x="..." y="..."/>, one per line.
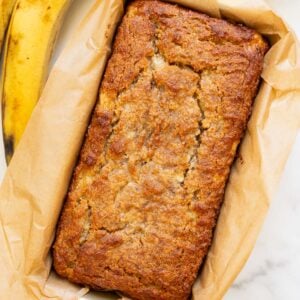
<point x="30" y="40"/>
<point x="6" y="7"/>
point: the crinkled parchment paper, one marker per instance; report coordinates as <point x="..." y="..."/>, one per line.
<point x="37" y="178"/>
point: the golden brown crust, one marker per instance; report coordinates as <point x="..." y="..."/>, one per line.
<point x="146" y="193"/>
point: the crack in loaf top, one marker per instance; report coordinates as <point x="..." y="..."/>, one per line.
<point x="146" y="192"/>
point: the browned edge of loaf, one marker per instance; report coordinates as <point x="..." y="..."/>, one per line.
<point x="146" y="192"/>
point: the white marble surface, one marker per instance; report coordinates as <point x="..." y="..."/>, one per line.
<point x="273" y="270"/>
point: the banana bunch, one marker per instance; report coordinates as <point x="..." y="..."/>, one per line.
<point x="30" y="40"/>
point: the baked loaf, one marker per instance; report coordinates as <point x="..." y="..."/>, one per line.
<point x="146" y="193"/>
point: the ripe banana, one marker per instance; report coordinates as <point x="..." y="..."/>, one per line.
<point x="30" y="40"/>
<point x="6" y="7"/>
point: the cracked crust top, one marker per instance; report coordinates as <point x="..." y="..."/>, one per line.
<point x="149" y="183"/>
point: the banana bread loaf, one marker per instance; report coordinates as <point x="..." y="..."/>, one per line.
<point x="149" y="183"/>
